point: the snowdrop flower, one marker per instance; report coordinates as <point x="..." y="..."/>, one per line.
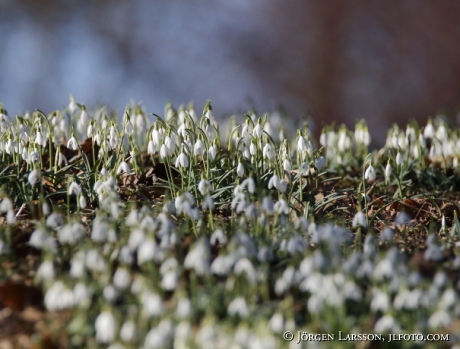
<point x="62" y="160"/>
<point x="46" y="271"/>
<point x="208" y="203"/>
<point x="387" y="235"/>
<point x="302" y="145"/>
<point x="72" y="105"/>
<point x="129" y="127"/>
<point x="122" y="278"/>
<point x="257" y="132"/>
<point x="72" y="143"/>
<point x="249" y="184"/>
<point x="399" y="159"/>
<point x="82" y="201"/>
<point x="6" y="205"/>
<point x="212" y="152"/>
<point x="106" y="327"/>
<point x="198" y="149"/>
<point x="359" y="219"/>
<point x="40" y="139"/>
<point x="123" y="167"/>
<point x="238" y="307"/>
<point x="370" y="173"/>
<point x="282" y="187"/>
<point x="267" y="205"/>
<point x="110" y="293"/>
<point x="218" y="236"/>
<point x="380" y="301"/>
<point x="170" y="145"/>
<point x="281" y="207"/>
<point x="287" y="165"/>
<point x="204" y="187"/>
<point x="304" y="169"/>
<point x="199" y="258"/>
<point x="388" y="171"/>
<point x="439" y="319"/>
<point x="152" y="304"/>
<point x="74" y="189"/>
<point x="268" y="152"/>
<point x="33" y="177"/>
<point x="240" y="170"/>
<point x="402" y="218"/>
<point x="274" y="182"/>
<point x="128" y="331"/>
<point x="182" y="160"/>
<point x="184" y="308"/>
<point x="151" y="148"/>
<point x="320" y="163"/>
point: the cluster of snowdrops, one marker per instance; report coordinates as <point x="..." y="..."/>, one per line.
<point x="233" y="248"/>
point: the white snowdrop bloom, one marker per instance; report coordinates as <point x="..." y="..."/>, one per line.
<point x="344" y="142"/>
<point x="222" y="265"/>
<point x="402" y="218"/>
<point x="268" y="152"/>
<point x="282" y="187"/>
<point x="198" y="148"/>
<point x="448" y="299"/>
<point x="386" y="324"/>
<point x="252" y="148"/>
<point x="184" y="308"/>
<point x="315" y="304"/>
<point x="169" y="280"/>
<point x="62" y="160"/>
<point x="6" y="205"/>
<point x="123" y="167"/>
<point x="46" y="271"/>
<point x="208" y="203"/>
<point x="249" y="184"/>
<point x="428" y="131"/>
<point x="433" y="253"/>
<point x="359" y="220"/>
<point x="94" y="261"/>
<point x="34" y="156"/>
<point x="399" y="159"/>
<point x="152" y="304"/>
<point x="151" y="149"/>
<point x="71" y="233"/>
<point x="160" y="336"/>
<point x="82" y="201"/>
<point x="129" y="127"/>
<point x="257" y="132"/>
<point x="72" y="143"/>
<point x="240" y="170"/>
<point x="10" y="217"/>
<point x="163" y="151"/>
<point x="54" y="220"/>
<point x="148" y="251"/>
<point x="380" y="301"/>
<point x="388" y="171"/>
<point x="33" y="177"/>
<point x="182" y="160"/>
<point x="40" y="139"/>
<point x="282" y="207"/>
<point x="439" y="319"/>
<point x="9" y="147"/>
<point x="304" y="169"/>
<point x="387" y="235"/>
<point x="276" y="323"/>
<point x="212" y="152"/>
<point x="156" y="136"/>
<point x="238" y="307"/>
<point x="218" y="237"/>
<point x="58" y="297"/>
<point x="244" y="265"/>
<point x="199" y="257"/>
<point x="287" y="165"/>
<point x="204" y="187"/>
<point x="265" y="254"/>
<point x="74" y="189"/>
<point x="302" y="145"/>
<point x="128" y="332"/>
<point x="441" y="133"/>
<point x="122" y="278"/>
<point x="110" y="293"/>
<point x="267" y="205"/>
<point x="320" y="163"/>
<point x="38" y="238"/>
<point x="106" y="327"/>
<point x="274" y="182"/>
<point x="82" y="295"/>
<point x="25" y="155"/>
<point x="170" y="144"/>
<point x="77" y="265"/>
<point x="370" y="173"/>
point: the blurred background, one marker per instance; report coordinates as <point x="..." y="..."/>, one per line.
<point x="385" y="61"/>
